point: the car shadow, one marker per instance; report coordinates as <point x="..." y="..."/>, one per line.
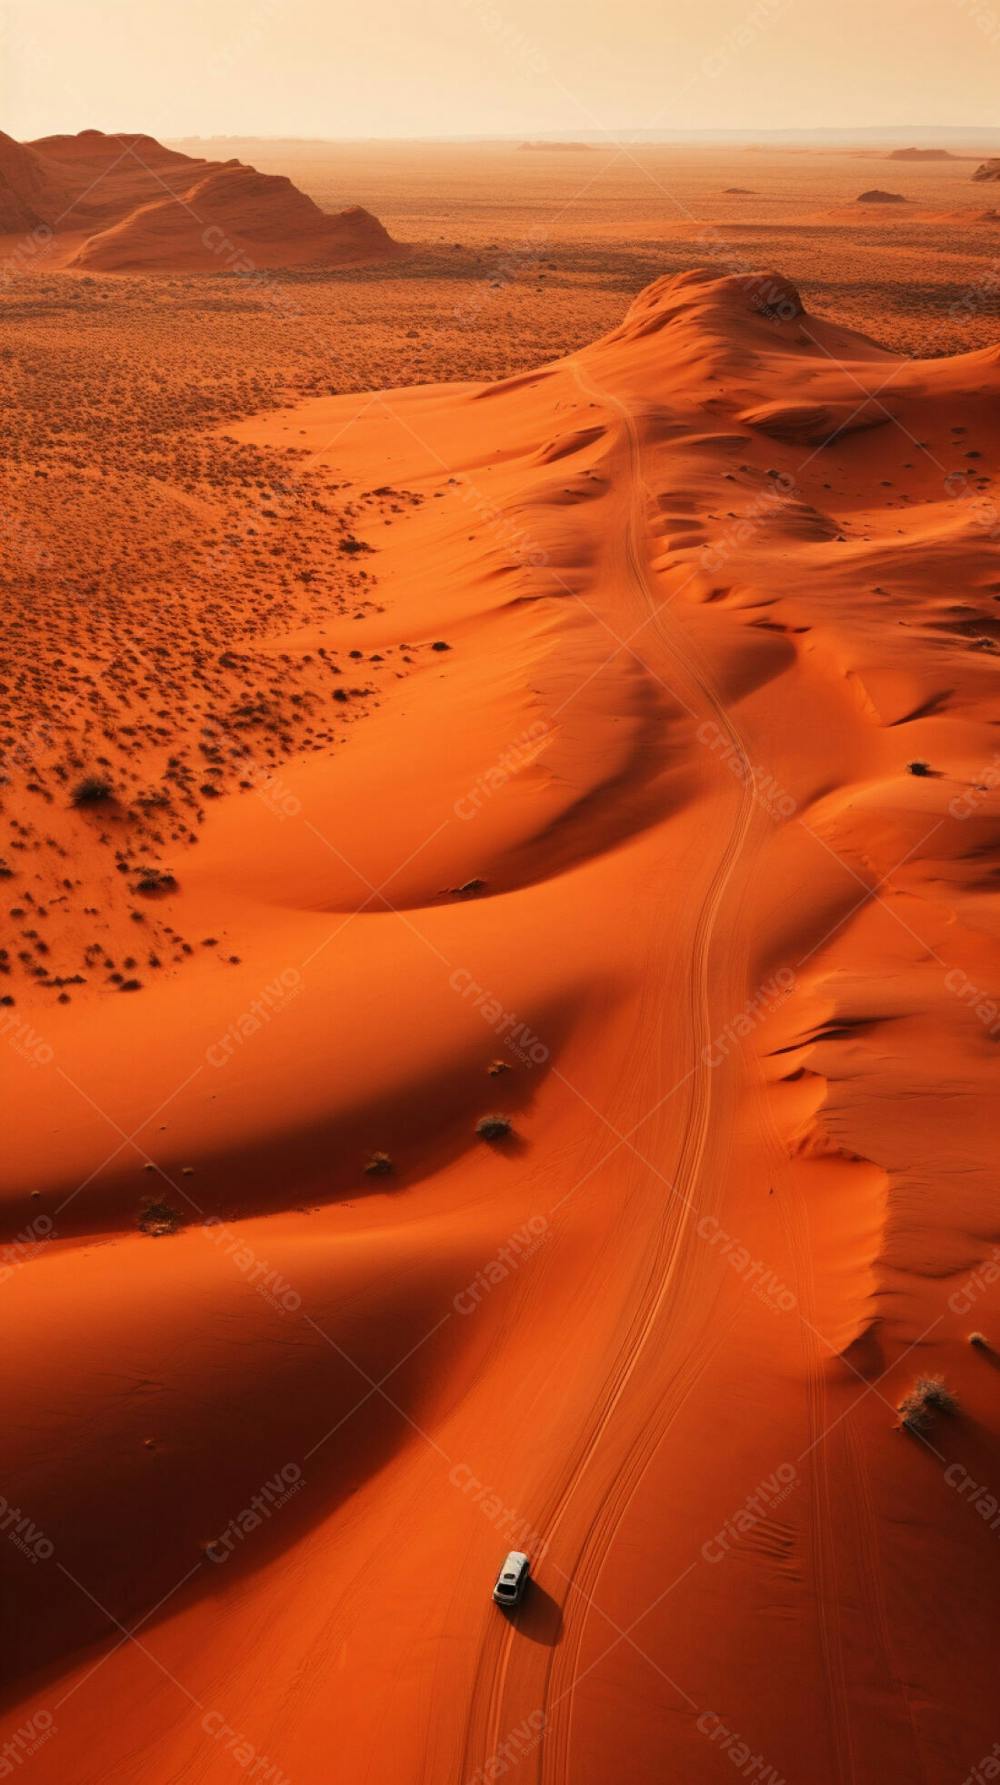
<point x="538" y="1617"/>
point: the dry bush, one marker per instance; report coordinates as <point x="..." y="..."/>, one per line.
<point x="929" y="1395"/>
<point x="493" y="1127"/>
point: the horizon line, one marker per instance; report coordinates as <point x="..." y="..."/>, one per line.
<point x="715" y="133"/>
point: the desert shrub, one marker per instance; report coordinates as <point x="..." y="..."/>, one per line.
<point x="158" y="1218"/>
<point x="493" y="1127"/>
<point x="152" y="882"/>
<point x="929" y="1395"/>
<point x="93" y="790"/>
<point x="918" y="768"/>
<point x="379" y="1165"/>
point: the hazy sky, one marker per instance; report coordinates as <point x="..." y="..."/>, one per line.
<point x="451" y="67"/>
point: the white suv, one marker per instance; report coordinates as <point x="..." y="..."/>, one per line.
<point x="512" y="1579"/>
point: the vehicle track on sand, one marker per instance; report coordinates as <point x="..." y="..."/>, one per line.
<point x="669" y="1269"/>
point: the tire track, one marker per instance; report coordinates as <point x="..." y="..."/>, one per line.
<point x="487" y="1717"/>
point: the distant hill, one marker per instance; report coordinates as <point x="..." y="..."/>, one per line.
<point x="923" y="155"/>
<point x="987" y="170"/>
<point x="128" y="204"/>
<point x="21" y="187"/>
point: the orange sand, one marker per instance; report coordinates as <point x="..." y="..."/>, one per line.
<point x="125" y="203"/>
<point x="708" y="587"/>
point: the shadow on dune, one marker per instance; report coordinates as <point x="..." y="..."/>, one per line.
<point x="423" y="1120"/>
<point x="539" y="1617"/>
<point x="217" y="1459"/>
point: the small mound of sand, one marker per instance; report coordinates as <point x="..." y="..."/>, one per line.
<point x="877" y="197"/>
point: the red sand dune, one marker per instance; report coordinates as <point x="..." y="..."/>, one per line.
<point x="739" y="962"/>
<point x="21" y="187"/>
<point x="124" y="203"/>
<point x="231" y="216"/>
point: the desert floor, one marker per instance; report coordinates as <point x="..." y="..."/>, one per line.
<point x="518" y="681"/>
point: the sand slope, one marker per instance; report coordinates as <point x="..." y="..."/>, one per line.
<point x="125" y="203"/>
<point x="236" y="218"/>
<point x="637" y="859"/>
<point x="21" y="187"/>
